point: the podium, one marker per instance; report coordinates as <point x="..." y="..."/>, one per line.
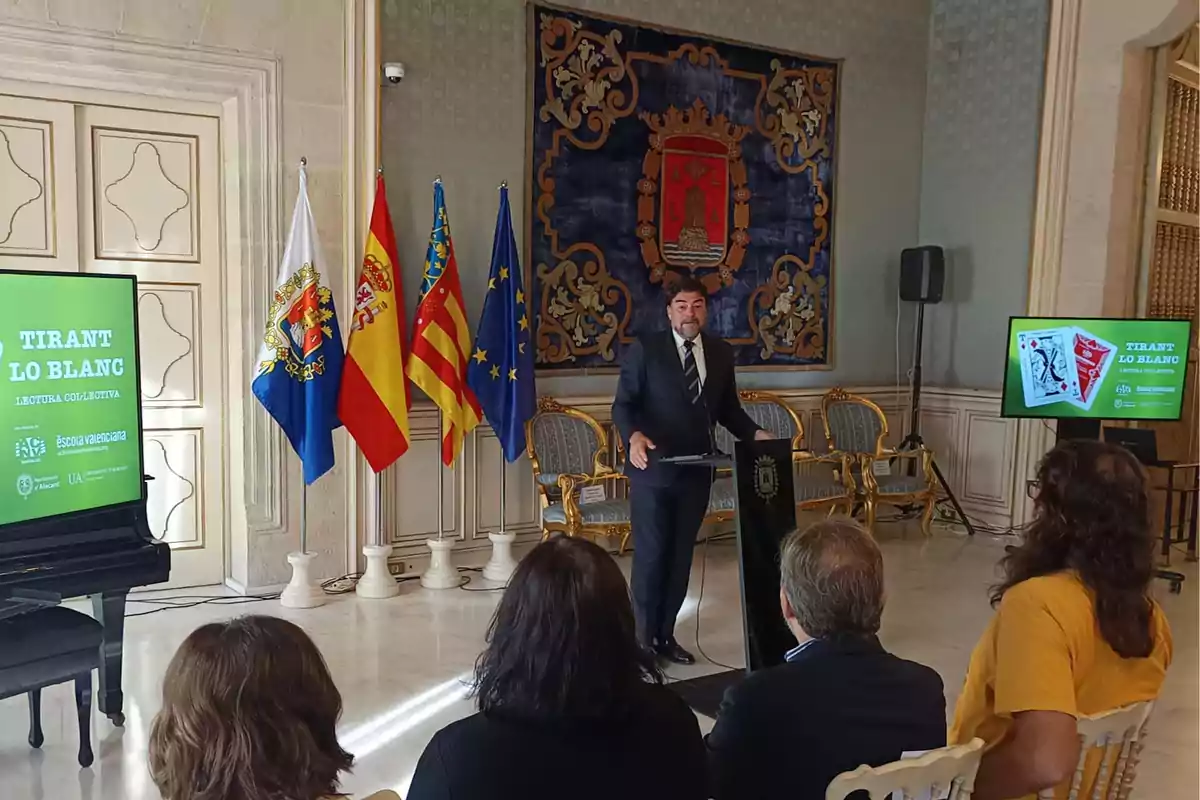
<point x="765" y="514"/>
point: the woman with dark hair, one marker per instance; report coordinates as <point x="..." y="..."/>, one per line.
<point x="570" y="705"/>
<point x="1076" y="631"/>
<point x="249" y="712"/>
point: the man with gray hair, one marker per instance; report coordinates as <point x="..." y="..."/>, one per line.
<point x="840" y="700"/>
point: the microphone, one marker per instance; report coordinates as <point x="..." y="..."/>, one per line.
<point x="710" y="424"/>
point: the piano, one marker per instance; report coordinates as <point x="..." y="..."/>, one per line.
<point x="101" y="554"/>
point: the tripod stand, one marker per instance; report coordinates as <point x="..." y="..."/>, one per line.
<point x="913" y="440"/>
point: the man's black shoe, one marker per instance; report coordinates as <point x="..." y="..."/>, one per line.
<point x="671" y="651"/>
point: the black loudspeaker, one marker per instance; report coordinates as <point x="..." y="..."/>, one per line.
<point x="922" y="274"/>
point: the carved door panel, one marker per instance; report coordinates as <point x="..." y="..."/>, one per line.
<point x="148" y="190"/>
<point x="38" y="227"/>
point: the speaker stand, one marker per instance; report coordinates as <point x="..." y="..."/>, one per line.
<point x="913" y="440"/>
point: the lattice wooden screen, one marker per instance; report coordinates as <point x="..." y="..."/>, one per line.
<point x="1179" y="184"/>
<point x="1174" y="272"/>
<point x="1174" y="277"/>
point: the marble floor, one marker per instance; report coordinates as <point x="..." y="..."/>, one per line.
<point x="401" y="666"/>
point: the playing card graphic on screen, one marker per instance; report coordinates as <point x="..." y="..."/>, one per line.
<point x="1048" y="372"/>
<point x="1102" y="368"/>
<point x="1092" y="359"/>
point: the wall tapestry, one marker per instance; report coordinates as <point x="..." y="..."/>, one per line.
<point x="655" y="154"/>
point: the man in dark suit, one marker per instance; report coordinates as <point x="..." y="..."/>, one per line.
<point x="840" y="700"/>
<point x="675" y="386"/>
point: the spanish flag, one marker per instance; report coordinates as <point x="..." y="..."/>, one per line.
<point x="374" y="400"/>
<point x="441" y="339"/>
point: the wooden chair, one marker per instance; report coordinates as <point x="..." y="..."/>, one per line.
<point x="47" y="647"/>
<point x="947" y="769"/>
<point x="857" y="427"/>
<point x="814" y="488"/>
<point x="568" y="449"/>
<point x="1110" y="747"/>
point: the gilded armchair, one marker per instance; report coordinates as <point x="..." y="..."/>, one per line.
<point x="568" y="449"/>
<point x="857" y="427"/>
<point x="815" y="486"/>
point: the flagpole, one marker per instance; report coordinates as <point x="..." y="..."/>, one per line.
<point x="304" y="517"/>
<point x="378" y="509"/>
<point x="441" y="522"/>
<point x="501" y="565"/>
<point x="442" y="574"/>
<point x="377" y="581"/>
<point x="301" y="591"/>
<point x="503" y="493"/>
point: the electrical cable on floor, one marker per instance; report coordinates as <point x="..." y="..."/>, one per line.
<point x="342" y="585"/>
<point x="333" y="586"/>
<point x="699" y="600"/>
<point x="466" y="581"/>
<point x="951" y="516"/>
<point x="216" y="601"/>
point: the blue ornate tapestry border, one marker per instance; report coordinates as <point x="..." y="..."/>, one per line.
<point x="654" y="154"/>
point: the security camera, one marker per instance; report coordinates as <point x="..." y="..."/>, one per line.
<point x="393" y="71"/>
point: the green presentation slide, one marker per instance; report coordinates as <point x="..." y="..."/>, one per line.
<point x="68" y="394"/>
<point x="1096" y="368"/>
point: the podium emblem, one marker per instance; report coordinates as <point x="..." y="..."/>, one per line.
<point x="766" y="478"/>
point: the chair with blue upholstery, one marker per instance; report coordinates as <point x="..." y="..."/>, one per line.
<point x="815" y="487"/>
<point x="569" y="451"/>
<point x="857" y="427"/>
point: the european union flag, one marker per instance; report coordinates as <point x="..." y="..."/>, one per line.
<point x="300" y="360"/>
<point x="501" y="368"/>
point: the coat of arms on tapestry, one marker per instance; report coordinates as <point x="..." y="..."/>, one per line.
<point x="656" y="154"/>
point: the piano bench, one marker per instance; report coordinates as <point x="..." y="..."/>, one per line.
<point x="47" y="647"/>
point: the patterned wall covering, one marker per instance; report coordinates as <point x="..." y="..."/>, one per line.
<point x="462" y="108"/>
<point x="982" y="116"/>
<point x="656" y="154"/>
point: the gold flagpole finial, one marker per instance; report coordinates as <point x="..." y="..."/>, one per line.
<point x="437" y="180"/>
<point x="304" y="161"/>
<point x="379" y="170"/>
<point x="503" y="184"/>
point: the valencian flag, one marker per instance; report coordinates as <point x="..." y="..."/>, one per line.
<point x="501" y="368"/>
<point x="300" y="363"/>
<point x="441" y="339"/>
<point x="374" y="400"/>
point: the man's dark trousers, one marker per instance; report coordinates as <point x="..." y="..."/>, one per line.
<point x="665" y="522"/>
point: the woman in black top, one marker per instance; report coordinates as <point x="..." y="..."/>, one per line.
<point x="570" y="705"/>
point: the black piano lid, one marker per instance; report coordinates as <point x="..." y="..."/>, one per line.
<point x="113" y="523"/>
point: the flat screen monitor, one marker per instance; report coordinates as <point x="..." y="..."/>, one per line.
<point x="1105" y="369"/>
<point x="71" y="421"/>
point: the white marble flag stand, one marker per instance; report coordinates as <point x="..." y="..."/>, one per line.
<point x="302" y="591"/>
<point x="442" y="574"/>
<point x="377" y="583"/>
<point x="501" y="565"/>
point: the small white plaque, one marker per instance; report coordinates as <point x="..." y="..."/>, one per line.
<point x="592" y="494"/>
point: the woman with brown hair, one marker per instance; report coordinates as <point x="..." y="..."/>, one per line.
<point x="570" y="703"/>
<point x="249" y="712"/>
<point x="1076" y="631"/>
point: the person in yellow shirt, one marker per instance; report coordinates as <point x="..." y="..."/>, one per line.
<point x="1076" y="631"/>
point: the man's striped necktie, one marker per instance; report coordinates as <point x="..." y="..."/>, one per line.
<point x="691" y="373"/>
